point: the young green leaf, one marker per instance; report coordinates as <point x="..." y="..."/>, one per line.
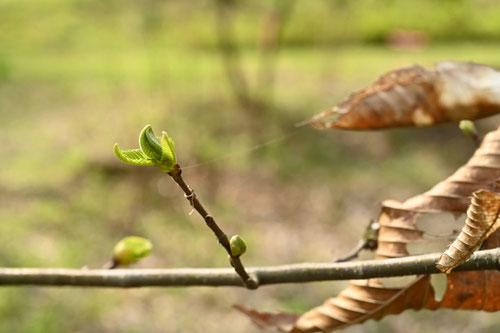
<point x="132" y="156"/>
<point x="130" y="249"/>
<point x="168" y="157"/>
<point x="149" y="143"/>
<point x="151" y="152"/>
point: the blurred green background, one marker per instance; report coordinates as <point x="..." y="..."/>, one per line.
<point x="228" y="80"/>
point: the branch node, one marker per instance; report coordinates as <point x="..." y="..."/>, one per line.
<point x="252" y="283"/>
<point x="222" y="239"/>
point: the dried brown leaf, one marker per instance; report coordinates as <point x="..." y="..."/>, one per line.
<point x="482" y="221"/>
<point x="414" y="96"/>
<point x="452" y="195"/>
<point x="279" y="321"/>
<point x="466" y="290"/>
<point x="363" y="300"/>
<point x="476" y="290"/>
<point x="450" y="87"/>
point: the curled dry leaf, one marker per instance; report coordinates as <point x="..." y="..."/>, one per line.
<point x="398" y="219"/>
<point x="482" y="221"/>
<point x="399" y="228"/>
<point x="278" y="321"/>
<point x="479" y="290"/>
<point x="415" y="96"/>
<point x="363" y="300"/>
<point x="475" y="290"/>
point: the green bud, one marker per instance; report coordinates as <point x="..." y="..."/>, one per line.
<point x="468" y="128"/>
<point x="130" y="249"/>
<point x="149" y="143"/>
<point x="153" y="151"/>
<point x="371" y="231"/>
<point x="238" y="246"/>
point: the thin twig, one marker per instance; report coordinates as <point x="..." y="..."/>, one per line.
<point x="369" y="241"/>
<point x="297" y="273"/>
<point x="250" y="283"/>
<point x="354" y="253"/>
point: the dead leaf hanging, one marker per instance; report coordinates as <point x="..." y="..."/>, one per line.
<point x="452" y="195"/>
<point x="466" y="290"/>
<point x="475" y="290"/>
<point x="363" y="300"/>
<point x="278" y="321"/>
<point x="415" y="96"/>
<point x="482" y="221"/>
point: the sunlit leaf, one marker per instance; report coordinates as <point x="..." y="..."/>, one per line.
<point x="169" y="159"/>
<point x="132" y="156"/>
<point x="415" y="96"/>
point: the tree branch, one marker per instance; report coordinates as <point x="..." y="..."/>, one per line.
<point x="297" y="273"/>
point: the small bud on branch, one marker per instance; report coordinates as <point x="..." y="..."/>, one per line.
<point x="161" y="152"/>
<point x="238" y="246"/>
<point x="130" y="249"/>
<point x="469" y="129"/>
